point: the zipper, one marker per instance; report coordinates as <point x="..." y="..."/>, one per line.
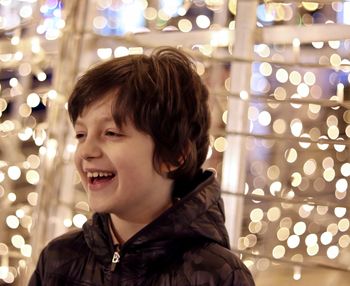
<point x="115" y="258"/>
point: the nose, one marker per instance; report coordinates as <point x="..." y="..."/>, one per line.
<point x="88" y="149"/>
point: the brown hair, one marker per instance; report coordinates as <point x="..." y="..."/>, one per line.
<point x="163" y="96"/>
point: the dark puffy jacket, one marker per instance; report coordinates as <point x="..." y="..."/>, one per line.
<point x="186" y="245"/>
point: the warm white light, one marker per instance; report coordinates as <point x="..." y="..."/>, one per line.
<point x="312" y="250"/>
<point x="299" y="228"/>
<point x="326" y="238"/>
<point x="296" y="179"/>
<point x="333" y="252"/>
<point x="13" y="82"/>
<point x="150" y="13"/>
<point x="203" y="21"/>
<point x="33" y="100"/>
<point x="274" y="214"/>
<point x="302" y="144"/>
<point x="310" y="167"/>
<point x="26" y="250"/>
<point x="12" y="221"/>
<point x="339" y="147"/>
<point x="79" y="220"/>
<point x="32" y="177"/>
<point x="333" y="132"/>
<point x="297" y="273"/>
<point x="121" y="52"/>
<point x="4" y="250"/>
<point x="293" y="241"/>
<point x="329" y="174"/>
<point x="20" y="213"/>
<point x="295" y="78"/>
<point x="220" y="144"/>
<point x="296" y="127"/>
<point x="291" y="155"/>
<point x="343" y="225"/>
<point x="264" y="118"/>
<point x="99" y="22"/>
<point x="283" y="233"/>
<point x="26" y="11"/>
<point x="14" y="172"/>
<point x="2" y="176"/>
<point x="323" y="146"/>
<point x="185" y="25"/>
<point x="303" y="89"/>
<point x="34" y="161"/>
<point x="309" y="78"/>
<point x="17" y="241"/>
<point x="282" y="75"/>
<point x="104" y="53"/>
<point x="342" y="185"/>
<point x="32" y="198"/>
<point x="345" y="169"/>
<point x="11" y="197"/>
<point x="318" y="45"/>
<point x="278" y="251"/>
<point x="311" y="239"/>
<point x="41" y="76"/>
<point x="263" y="51"/>
<point x="67" y="222"/>
<point x="275" y="187"/>
<point x="219" y="38"/>
<point x="135" y="51"/>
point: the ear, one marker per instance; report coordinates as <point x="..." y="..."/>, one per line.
<point x="166" y="168"/>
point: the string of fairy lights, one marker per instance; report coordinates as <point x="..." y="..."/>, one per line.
<point x="296" y="204"/>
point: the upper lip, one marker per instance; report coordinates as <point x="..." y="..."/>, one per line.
<point x="91" y="170"/>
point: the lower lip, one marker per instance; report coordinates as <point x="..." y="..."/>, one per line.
<point x="100" y="185"/>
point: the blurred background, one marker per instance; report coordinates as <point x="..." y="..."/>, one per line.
<point x="278" y="75"/>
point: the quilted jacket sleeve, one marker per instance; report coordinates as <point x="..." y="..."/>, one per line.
<point x="37" y="277"/>
<point x="239" y="277"/>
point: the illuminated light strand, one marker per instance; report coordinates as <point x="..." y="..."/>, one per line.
<point x="295" y="201"/>
<point x="300" y="1"/>
<point x="294" y="139"/>
<point x="305" y="263"/>
<point x="270" y="99"/>
<point x="228" y="59"/>
<point x="22" y="24"/>
<point x="132" y="39"/>
<point x="290" y="139"/>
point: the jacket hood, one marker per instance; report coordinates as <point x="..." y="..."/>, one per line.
<point x="198" y="216"/>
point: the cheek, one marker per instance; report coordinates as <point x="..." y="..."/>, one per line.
<point x="77" y="160"/>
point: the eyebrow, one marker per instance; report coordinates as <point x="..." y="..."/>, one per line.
<point x="103" y="119"/>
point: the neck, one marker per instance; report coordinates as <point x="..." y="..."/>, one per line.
<point x="126" y="223"/>
<point x="123" y="229"/>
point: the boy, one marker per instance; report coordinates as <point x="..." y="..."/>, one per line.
<point x="142" y="128"/>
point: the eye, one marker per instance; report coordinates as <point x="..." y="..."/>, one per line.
<point x="79" y="136"/>
<point x="111" y="133"/>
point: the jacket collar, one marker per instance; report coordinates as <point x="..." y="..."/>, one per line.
<point x="198" y="216"/>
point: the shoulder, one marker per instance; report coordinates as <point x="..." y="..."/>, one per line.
<point x="64" y="248"/>
<point x="216" y="265"/>
<point x="72" y="240"/>
<point x="57" y="257"/>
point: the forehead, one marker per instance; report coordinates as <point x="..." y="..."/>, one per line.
<point x="100" y="110"/>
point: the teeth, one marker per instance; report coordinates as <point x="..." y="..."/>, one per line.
<point x="98" y="174"/>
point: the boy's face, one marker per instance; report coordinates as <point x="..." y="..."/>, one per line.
<point x="116" y="166"/>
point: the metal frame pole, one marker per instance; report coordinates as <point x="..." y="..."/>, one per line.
<point x="234" y="162"/>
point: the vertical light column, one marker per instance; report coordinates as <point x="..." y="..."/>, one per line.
<point x="56" y="193"/>
<point x="234" y="162"/>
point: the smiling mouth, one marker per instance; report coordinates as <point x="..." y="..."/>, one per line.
<point x="99" y="177"/>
